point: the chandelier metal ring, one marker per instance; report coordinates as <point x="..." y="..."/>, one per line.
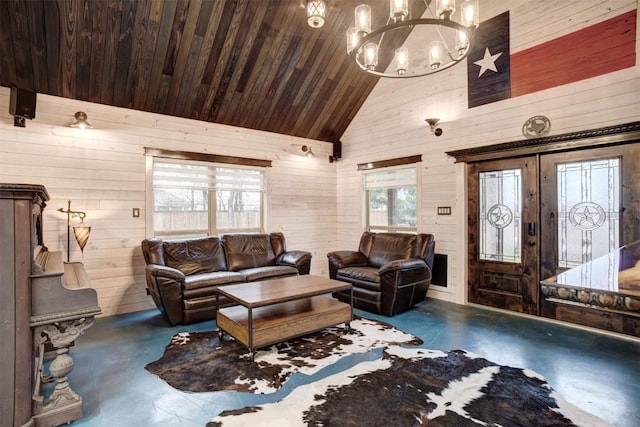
<point x="469" y="32"/>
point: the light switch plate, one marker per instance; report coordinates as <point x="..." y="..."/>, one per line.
<point x="444" y="210"/>
<point x="136" y="212"/>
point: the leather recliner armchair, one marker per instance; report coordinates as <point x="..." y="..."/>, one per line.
<point x="390" y="272"/>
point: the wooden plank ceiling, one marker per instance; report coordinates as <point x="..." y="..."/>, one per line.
<point x="249" y="63"/>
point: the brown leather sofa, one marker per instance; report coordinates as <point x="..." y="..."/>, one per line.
<point x="183" y="275"/>
<point x="390" y="272"/>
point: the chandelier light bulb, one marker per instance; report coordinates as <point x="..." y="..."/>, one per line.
<point x="353" y="40"/>
<point x="363" y="19"/>
<point x="371" y="56"/>
<point x="445" y="8"/>
<point x="462" y="43"/>
<point x="402" y="60"/>
<point x="398" y="10"/>
<point x="469" y="13"/>
<point x="435" y="54"/>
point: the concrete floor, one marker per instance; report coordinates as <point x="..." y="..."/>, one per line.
<point x="595" y="371"/>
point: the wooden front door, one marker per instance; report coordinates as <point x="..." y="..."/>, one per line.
<point x="503" y="234"/>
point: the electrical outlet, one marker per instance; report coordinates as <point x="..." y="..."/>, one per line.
<point x="136" y="212"/>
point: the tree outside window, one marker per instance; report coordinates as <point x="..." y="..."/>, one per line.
<point x="391" y="200"/>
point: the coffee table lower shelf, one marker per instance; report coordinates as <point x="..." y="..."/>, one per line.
<point x="262" y="326"/>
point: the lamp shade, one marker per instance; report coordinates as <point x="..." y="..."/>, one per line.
<point x="316" y="12"/>
<point x="82" y="233"/>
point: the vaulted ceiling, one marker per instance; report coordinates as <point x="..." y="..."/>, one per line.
<point x="249" y="63"/>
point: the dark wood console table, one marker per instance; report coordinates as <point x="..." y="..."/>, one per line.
<point x="603" y="293"/>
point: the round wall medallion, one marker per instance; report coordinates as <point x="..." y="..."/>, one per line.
<point x="536" y="127"/>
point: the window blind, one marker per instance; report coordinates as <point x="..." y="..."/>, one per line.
<point x="190" y="175"/>
<point x="391" y="178"/>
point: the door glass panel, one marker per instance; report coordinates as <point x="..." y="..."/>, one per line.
<point x="500" y="215"/>
<point x="588" y="210"/>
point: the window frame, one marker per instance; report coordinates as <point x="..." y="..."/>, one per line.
<point x="179" y="157"/>
<point x="366" y="199"/>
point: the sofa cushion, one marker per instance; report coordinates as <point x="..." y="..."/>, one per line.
<point x="193" y="256"/>
<point x="268" y="272"/>
<point x="201" y="280"/>
<point x="203" y="284"/>
<point x="389" y="247"/>
<point x="363" y="277"/>
<point x="248" y="251"/>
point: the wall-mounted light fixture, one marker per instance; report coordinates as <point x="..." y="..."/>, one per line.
<point x="432" y="126"/>
<point x="307" y="151"/>
<point x="81" y="121"/>
<point x="81" y="232"/>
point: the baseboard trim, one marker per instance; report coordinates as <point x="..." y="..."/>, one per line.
<point x="558" y="322"/>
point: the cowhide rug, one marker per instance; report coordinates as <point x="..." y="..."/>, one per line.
<point x="412" y="387"/>
<point x="197" y="361"/>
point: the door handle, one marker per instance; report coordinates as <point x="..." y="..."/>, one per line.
<point x="531" y="228"/>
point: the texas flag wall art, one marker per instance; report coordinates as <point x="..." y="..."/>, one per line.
<point x="494" y="74"/>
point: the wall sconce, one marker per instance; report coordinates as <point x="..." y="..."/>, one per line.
<point x="81" y="121"/>
<point x="432" y="126"/>
<point x="81" y="232"/>
<point x="307" y="151"/>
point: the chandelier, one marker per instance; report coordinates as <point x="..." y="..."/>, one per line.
<point x="446" y="41"/>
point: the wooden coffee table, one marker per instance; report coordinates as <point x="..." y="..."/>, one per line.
<point x="276" y="310"/>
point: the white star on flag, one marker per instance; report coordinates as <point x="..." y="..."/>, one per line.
<point x="488" y="62"/>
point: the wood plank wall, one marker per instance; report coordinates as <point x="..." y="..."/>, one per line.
<point x="391" y="123"/>
<point x="102" y="172"/>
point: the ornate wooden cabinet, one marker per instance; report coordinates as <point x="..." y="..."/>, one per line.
<point x="45" y="305"/>
<point x="20" y="233"/>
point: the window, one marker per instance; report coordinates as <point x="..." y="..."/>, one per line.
<point x="588" y="210"/>
<point x="500" y="200"/>
<point x="391" y="199"/>
<point x="192" y="198"/>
